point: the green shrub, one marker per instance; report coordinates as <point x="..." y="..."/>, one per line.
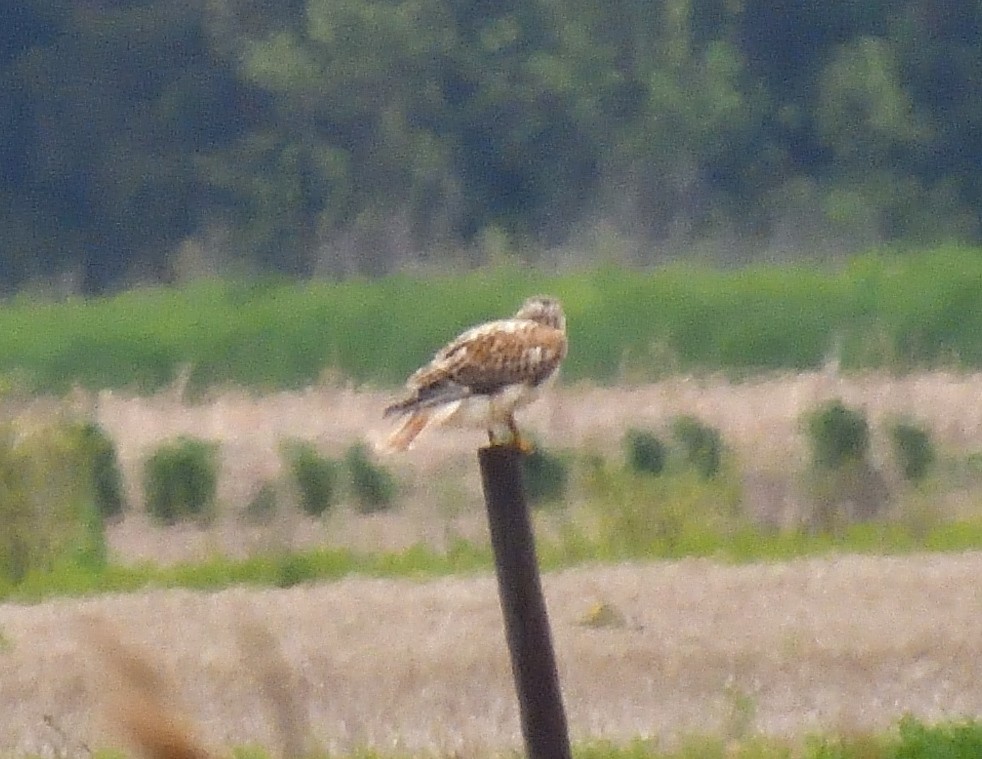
<point x="701" y="444"/>
<point x="180" y="480"/>
<point x="316" y="477"/>
<point x="48" y="513"/>
<point x="372" y="486"/>
<point x="545" y="476"/>
<point x="646" y="454"/>
<point x="843" y="484"/>
<point x="912" y="449"/>
<point x="107" y="480"/>
<point x="837" y="435"/>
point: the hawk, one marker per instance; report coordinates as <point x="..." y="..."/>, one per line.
<point x="484" y="375"/>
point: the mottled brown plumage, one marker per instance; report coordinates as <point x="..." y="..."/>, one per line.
<point x="485" y="374"/>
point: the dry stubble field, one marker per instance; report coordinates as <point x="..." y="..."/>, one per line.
<point x="842" y="643"/>
<point x="850" y="643"/>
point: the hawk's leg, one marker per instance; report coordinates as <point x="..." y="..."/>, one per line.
<point x="514" y="439"/>
<point x="519" y="442"/>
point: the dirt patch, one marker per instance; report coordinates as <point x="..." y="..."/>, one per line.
<point x="845" y="643"/>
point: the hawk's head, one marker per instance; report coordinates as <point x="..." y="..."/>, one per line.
<point x="543" y="309"/>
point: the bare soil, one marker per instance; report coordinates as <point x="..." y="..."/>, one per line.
<point x="845" y="643"/>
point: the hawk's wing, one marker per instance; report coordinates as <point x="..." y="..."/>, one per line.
<point x="484" y="360"/>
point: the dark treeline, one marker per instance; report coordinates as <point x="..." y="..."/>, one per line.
<point x="155" y="139"/>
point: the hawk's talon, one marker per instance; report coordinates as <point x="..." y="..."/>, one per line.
<point x="519" y="443"/>
<point x="523" y="445"/>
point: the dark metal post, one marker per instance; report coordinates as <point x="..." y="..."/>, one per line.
<point x="533" y="662"/>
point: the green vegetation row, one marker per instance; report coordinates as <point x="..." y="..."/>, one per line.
<point x="910" y="739"/>
<point x="885" y="311"/>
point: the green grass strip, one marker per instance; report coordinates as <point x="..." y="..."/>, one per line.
<point x="910" y="739"/>
<point x="463" y="557"/>
<point x="881" y="310"/>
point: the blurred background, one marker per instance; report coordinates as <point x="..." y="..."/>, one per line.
<point x="155" y="141"/>
<point x="228" y="228"/>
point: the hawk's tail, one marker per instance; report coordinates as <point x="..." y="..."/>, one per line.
<point x="402" y="438"/>
<point x="420" y="417"/>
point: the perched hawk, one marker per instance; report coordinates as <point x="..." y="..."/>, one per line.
<point x="484" y="375"/>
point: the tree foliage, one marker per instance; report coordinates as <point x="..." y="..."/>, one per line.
<point x="362" y="136"/>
